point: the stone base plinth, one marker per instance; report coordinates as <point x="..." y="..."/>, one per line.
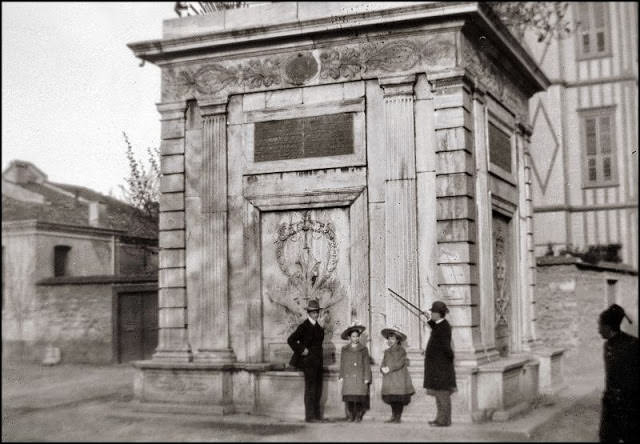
<point x="551" y="370"/>
<point x="184" y="384"/>
<point x="507" y="387"/>
<point x="498" y="390"/>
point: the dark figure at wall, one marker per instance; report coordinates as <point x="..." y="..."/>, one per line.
<point x="620" y="404"/>
<point x="306" y="343"/>
<point x="439" y="372"/>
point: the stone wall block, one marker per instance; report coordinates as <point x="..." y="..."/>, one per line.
<point x="172" y="298"/>
<point x="172" y="202"/>
<point x="171" y="220"/>
<point x="460" y="293"/>
<point x="353" y="90"/>
<point x="253" y="102"/>
<point x="456" y="230"/>
<point x="456" y="252"/>
<point x="459" y="207"/>
<point x="453" y="117"/>
<point x="172" y="129"/>
<point x="458" y="184"/>
<point x="449" y="139"/>
<point x="457" y="274"/>
<point x="172" y="239"/>
<point x="171" y="258"/>
<point x="323" y="93"/>
<point x="171" y="277"/>
<point x="459" y="161"/>
<point x="172" y="317"/>
<point x="172" y="164"/>
<point x="171" y="183"/>
<point x="172" y="146"/>
<point x="283" y="97"/>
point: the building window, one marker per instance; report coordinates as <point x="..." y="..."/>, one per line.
<point x="593" y="34"/>
<point x="598" y="128"/>
<point x="60" y="260"/>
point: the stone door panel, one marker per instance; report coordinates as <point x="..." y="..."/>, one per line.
<point x="503" y="282"/>
<point x="305" y="254"/>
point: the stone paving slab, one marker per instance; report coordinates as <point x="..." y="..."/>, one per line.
<point x="83" y="403"/>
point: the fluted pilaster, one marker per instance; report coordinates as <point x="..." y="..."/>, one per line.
<point x="214" y="299"/>
<point x="401" y="256"/>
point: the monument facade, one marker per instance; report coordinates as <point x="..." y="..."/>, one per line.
<point x="333" y="151"/>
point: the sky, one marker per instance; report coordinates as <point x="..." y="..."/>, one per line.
<point x="70" y="87"/>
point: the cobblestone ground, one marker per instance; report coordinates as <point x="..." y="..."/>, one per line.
<point x="84" y="403"/>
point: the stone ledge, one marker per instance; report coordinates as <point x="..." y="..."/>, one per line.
<point x="173" y="408"/>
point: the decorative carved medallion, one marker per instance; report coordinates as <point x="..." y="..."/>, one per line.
<point x="309" y="275"/>
<point x="300" y="68"/>
<point x="394" y="56"/>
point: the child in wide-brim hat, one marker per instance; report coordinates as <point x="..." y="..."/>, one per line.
<point x="397" y="386"/>
<point x="355" y="373"/>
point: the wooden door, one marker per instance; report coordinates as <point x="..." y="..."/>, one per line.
<point x="137" y="326"/>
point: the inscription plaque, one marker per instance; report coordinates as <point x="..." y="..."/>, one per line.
<point x="499" y="148"/>
<point x="318" y="136"/>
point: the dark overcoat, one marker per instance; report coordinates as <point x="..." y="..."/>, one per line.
<point x="355" y="369"/>
<point x="307" y="336"/>
<point x="398" y="380"/>
<point x="620" y="402"/>
<point x="439" y="372"/>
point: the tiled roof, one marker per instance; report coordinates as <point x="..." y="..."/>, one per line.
<point x="63" y="208"/>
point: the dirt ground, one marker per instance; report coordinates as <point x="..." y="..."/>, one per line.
<point x="86" y="403"/>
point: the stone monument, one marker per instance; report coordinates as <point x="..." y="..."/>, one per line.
<point x="334" y="151"/>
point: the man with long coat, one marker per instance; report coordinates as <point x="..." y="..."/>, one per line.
<point x="620" y="401"/>
<point x="439" y="372"/>
<point x="306" y="343"/>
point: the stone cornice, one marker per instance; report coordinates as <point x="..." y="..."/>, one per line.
<point x="158" y="51"/>
<point x="352" y="63"/>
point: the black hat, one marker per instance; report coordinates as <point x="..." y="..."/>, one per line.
<point x="354" y="327"/>
<point x="439" y="307"/>
<point x="313" y="305"/>
<point x="613" y="315"/>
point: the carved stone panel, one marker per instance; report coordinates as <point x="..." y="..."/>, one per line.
<point x="305" y="255"/>
<point x="502" y="282"/>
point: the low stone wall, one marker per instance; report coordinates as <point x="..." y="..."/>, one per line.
<point x="76" y="319"/>
<point x="570" y="296"/>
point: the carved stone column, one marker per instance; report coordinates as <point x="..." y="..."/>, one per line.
<point x="401" y="256"/>
<point x="213" y="322"/>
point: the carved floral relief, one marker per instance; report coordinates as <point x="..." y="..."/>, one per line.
<point x="303" y="259"/>
<point x="348" y="62"/>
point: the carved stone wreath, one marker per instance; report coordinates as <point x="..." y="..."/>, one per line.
<point x="502" y="299"/>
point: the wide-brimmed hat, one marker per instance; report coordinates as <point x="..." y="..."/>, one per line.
<point x="394" y="331"/>
<point x="439" y="307"/>
<point x="313" y="305"/>
<point x="355" y="326"/>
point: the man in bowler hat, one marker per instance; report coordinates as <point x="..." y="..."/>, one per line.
<point x="621" y="398"/>
<point x="439" y="372"/>
<point x="306" y="343"/>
